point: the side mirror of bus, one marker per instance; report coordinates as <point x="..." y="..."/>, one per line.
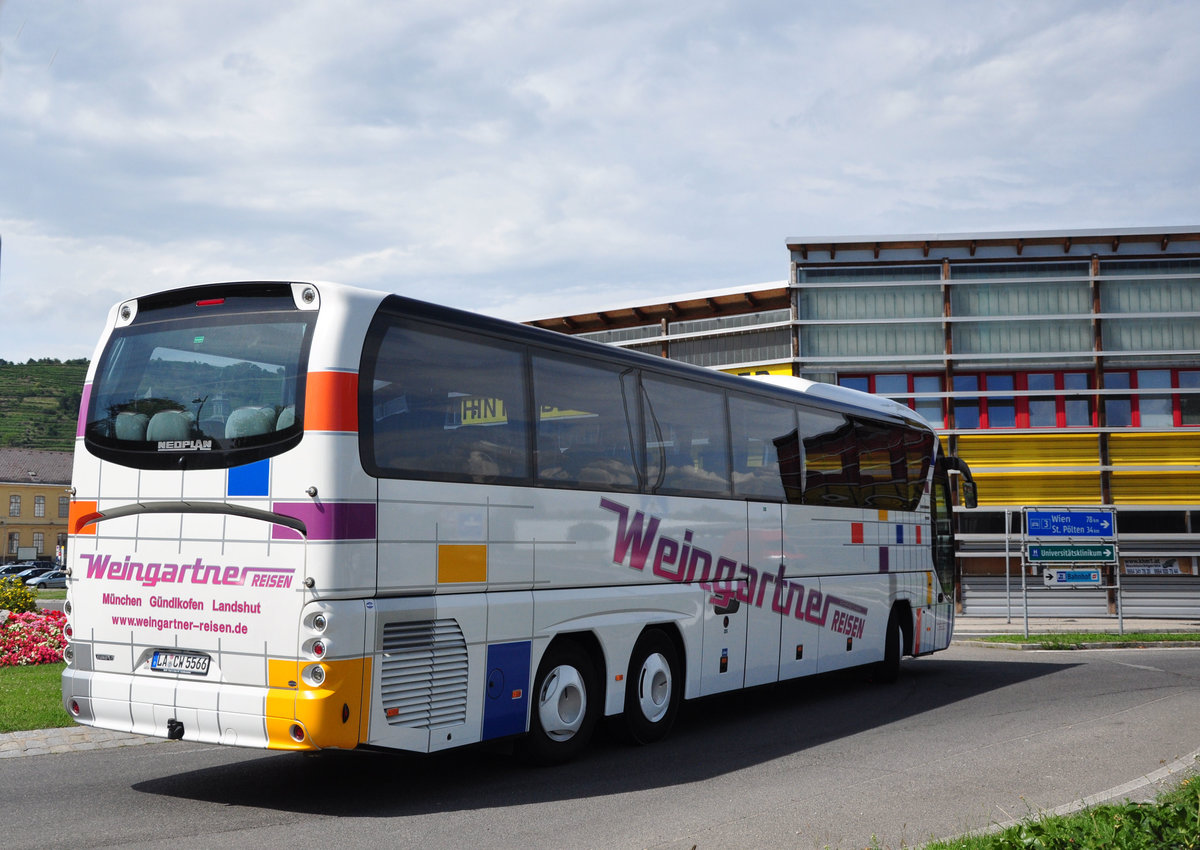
<point x="970" y="495"/>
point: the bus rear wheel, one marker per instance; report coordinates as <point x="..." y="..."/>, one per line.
<point x="888" y="670"/>
<point x="653" y="687"/>
<point x="565" y="707"/>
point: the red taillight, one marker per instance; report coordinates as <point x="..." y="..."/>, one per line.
<point x="318" y="648"/>
<point x="297" y="732"/>
<point x="210" y="302"/>
<point x="68" y="631"/>
<point x="75" y="707"/>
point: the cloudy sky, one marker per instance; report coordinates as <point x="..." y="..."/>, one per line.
<point x="529" y="159"/>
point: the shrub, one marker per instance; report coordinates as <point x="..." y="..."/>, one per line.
<point x="32" y="638"/>
<point x="16" y="597"/>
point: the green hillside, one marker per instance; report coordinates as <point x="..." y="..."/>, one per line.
<point x="39" y="403"/>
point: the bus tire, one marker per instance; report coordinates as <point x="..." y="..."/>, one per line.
<point x="566" y="704"/>
<point x="653" y="688"/>
<point x="888" y="670"/>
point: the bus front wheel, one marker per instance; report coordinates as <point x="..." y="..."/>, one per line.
<point x="653" y="687"/>
<point x="565" y="707"/>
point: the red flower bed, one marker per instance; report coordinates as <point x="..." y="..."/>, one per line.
<point x="32" y="638"/>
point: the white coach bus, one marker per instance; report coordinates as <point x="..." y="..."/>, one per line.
<point x="309" y="516"/>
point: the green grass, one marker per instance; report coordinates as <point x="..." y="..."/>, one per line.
<point x="1071" y="640"/>
<point x="1171" y="821"/>
<point x="39" y="403"/>
<point x="31" y="698"/>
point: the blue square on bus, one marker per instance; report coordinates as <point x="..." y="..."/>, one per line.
<point x="253" y="479"/>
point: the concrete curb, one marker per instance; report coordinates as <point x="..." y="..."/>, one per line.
<point x="70" y="739"/>
<point x="1037" y="647"/>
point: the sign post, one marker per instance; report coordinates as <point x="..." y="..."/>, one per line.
<point x="1071" y="546"/>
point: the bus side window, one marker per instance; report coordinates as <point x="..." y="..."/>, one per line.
<point x="758" y="428"/>
<point x="583" y="434"/>
<point x="448" y="405"/>
<point x="830" y="452"/>
<point x="687" y="445"/>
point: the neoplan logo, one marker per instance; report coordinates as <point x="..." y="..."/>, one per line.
<point x="184" y="445"/>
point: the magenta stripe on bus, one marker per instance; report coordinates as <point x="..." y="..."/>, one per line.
<point x="327" y="521"/>
<point x="83" y="409"/>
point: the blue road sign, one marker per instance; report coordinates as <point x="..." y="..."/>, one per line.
<point x="1070" y="524"/>
<point x="1058" y="577"/>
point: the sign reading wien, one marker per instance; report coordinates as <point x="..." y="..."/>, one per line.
<point x="1070" y="524"/>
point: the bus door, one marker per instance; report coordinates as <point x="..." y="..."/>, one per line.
<point x="806" y="551"/>
<point x="934" y="629"/>
<point x="853" y="615"/>
<point x="764" y="528"/>
<point x="724" y="663"/>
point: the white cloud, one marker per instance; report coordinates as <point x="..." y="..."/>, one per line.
<point x="503" y="154"/>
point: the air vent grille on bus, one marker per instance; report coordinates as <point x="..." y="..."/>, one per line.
<point x="424" y="674"/>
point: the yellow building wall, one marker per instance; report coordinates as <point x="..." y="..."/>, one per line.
<point x="1029" y="469"/>
<point x="1147" y="468"/>
<point x="771" y="369"/>
<point x="1013" y="449"/>
<point x="26" y="524"/>
<point x="1155" y="448"/>
<point x="1162" y="468"/>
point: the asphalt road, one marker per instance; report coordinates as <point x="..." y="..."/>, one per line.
<point x="968" y="738"/>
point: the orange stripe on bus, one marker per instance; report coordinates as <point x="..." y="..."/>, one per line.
<point x="80" y="512"/>
<point x="331" y="401"/>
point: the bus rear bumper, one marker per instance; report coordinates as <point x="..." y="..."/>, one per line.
<point x="207" y="712"/>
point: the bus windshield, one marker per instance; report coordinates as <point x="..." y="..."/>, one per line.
<point x="219" y="385"/>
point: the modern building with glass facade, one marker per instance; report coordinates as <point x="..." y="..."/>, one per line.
<point x="1064" y="367"/>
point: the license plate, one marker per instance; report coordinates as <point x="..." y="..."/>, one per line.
<point x="180" y="662"/>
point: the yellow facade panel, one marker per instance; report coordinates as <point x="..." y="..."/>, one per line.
<point x="772" y="369"/>
<point x="1038" y="488"/>
<point x="1029" y="450"/>
<point x="1154" y="448"/>
<point x="1155" y="488"/>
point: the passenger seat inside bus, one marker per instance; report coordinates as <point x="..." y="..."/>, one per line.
<point x="131" y="426"/>
<point x="249" y="422"/>
<point x="170" y="425"/>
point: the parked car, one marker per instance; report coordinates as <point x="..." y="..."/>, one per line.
<point x="54" y="578"/>
<point x="21" y="566"/>
<point x="31" y="572"/>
